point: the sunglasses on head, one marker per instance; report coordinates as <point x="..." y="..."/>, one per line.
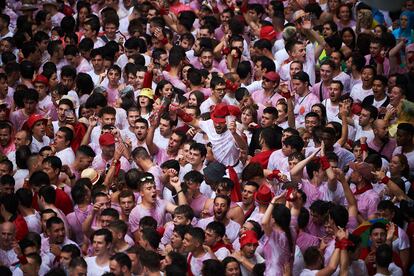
<point x="149" y="177"/>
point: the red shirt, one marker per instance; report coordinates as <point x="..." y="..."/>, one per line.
<point x="62" y="202"/>
<point x="21" y="227"/>
<point x="262" y="158"/>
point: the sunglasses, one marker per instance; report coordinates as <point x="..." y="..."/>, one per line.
<point x="146" y="178"/>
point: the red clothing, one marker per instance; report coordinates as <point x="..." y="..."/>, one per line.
<point x="410" y="234"/>
<point x="262" y="158"/>
<point x="62" y="202"/>
<point x="371" y="266"/>
<point x="21" y="227"/>
<point x="79" y="132"/>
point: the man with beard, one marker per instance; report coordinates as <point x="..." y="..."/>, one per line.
<point x="218" y="89"/>
<point x="206" y="60"/>
<point x="151" y="205"/>
<point x="220" y="210"/>
<point x="268" y="95"/>
<point x="382" y="143"/>
<point x="6" y="142"/>
<point x="55" y="239"/>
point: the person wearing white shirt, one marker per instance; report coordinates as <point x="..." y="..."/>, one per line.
<point x="98" y="264"/>
<point x="364" y="89"/>
<point x="97" y="71"/>
<point x="364" y="125"/>
<point x="63" y="139"/>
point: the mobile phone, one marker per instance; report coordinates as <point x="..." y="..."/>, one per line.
<point x="68" y="113"/>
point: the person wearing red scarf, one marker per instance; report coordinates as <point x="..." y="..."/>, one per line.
<point x="193" y="244"/>
<point x="214" y="233"/>
<point x="269" y="141"/>
<point x="367" y="198"/>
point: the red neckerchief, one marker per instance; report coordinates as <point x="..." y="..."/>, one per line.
<point x="367" y="187"/>
<point x="249" y="212"/>
<point x="221" y="244"/>
<point x="236" y="192"/>
<point x="189" y="272"/>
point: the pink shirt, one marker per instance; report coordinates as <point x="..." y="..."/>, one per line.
<point x="18" y="118"/>
<point x="305" y="240"/>
<point x="259" y="97"/>
<point x="367" y="202"/>
<point x="276" y="253"/>
<point x="316" y="90"/>
<point x="176" y="82"/>
<point x="303" y="105"/>
<point x="158" y="213"/>
<point x="197" y="204"/>
<point x="179" y="7"/>
<point x="386" y="150"/>
<point x="75" y="220"/>
<point x="321" y="192"/>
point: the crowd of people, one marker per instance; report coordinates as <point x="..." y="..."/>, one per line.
<point x="187" y="138"/>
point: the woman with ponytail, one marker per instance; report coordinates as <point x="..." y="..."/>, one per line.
<point x="279" y="246"/>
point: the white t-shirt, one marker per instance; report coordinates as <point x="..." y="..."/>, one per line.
<point x="36" y="145"/>
<point x="363" y="133"/>
<point x="159" y="140"/>
<point x="94" y="269"/>
<point x="224" y="147"/>
<point x="232" y="228"/>
<point x="33" y="222"/>
<point x="206" y="105"/>
<point x="359" y="94"/>
<point x="331" y="110"/>
<point x="67" y="156"/>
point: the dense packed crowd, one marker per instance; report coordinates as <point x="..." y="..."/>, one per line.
<point x="217" y="137"/>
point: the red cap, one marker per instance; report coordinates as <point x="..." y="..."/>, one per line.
<point x="220" y="111"/>
<point x="264" y="195"/>
<point x="247" y="237"/>
<point x="107" y="139"/>
<point x="268" y="33"/>
<point x="272" y="76"/>
<point x="42" y="79"/>
<point x="33" y="119"/>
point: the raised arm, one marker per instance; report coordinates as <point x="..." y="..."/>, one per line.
<point x="240" y="142"/>
<point x="296" y="171"/>
<point x="153" y="120"/>
<point x="267" y="217"/>
<point x="93" y="121"/>
<point x="350" y="198"/>
<point x="344" y="131"/>
<point x="326" y="166"/>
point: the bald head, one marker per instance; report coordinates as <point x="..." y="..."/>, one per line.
<point x="380" y="128"/>
<point x="7" y="235"/>
<point x="380" y="123"/>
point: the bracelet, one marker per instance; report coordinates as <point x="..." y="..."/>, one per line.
<point x="180" y="191"/>
<point x="325" y="162"/>
<point x="385" y="179"/>
<point x="364" y="147"/>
